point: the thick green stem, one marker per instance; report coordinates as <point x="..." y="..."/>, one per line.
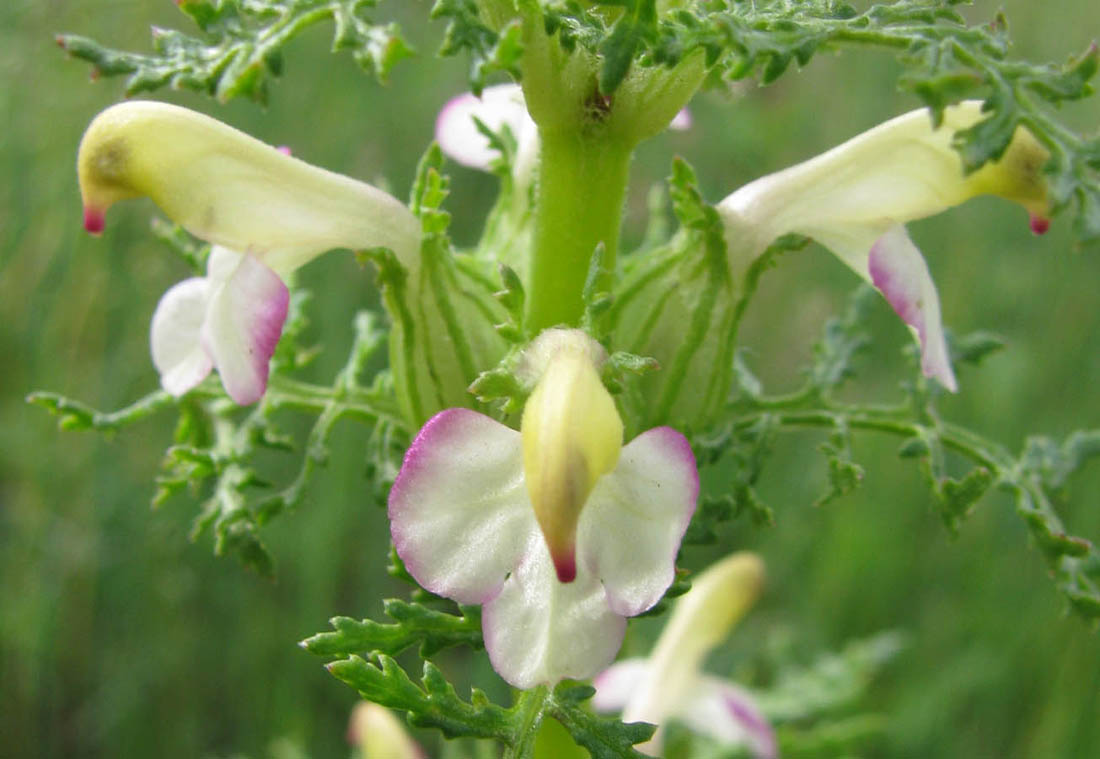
<point x="582" y="183"/>
<point x="531" y="707"/>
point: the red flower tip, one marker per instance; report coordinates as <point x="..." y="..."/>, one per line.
<point x="1039" y="224"/>
<point x="93" y="221"/>
<point x="565" y="565"/>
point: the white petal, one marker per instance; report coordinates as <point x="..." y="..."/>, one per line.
<point x="682" y="121"/>
<point x="539" y="630"/>
<point x="631" y="527"/>
<point x="174" y="336"/>
<point x="898" y="270"/>
<point x="221" y="263"/>
<point x="616" y="684"/>
<point x="243" y="325"/>
<point x="728" y="714"/>
<point x="459" y="512"/>
<point x="499" y="106"/>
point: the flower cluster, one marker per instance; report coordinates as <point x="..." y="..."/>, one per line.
<point x="548" y="520"/>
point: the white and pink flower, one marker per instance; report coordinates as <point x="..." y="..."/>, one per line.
<point x="855" y="199"/>
<point x="266" y="212"/>
<point x="558" y="530"/>
<point x="669" y="684"/>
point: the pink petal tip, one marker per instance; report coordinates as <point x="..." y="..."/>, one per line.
<point x="1039" y="224"/>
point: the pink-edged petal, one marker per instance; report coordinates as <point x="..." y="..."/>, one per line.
<point x="243" y="325"/>
<point x="682" y="121"/>
<point x="539" y="631"/>
<point x="616" y="684"/>
<point x="631" y="527"/>
<point x="499" y="106"/>
<point x="898" y="270"/>
<point x="174" y="336"/>
<point x="459" y="513"/>
<point x="728" y="714"/>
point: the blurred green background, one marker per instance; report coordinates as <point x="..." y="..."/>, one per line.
<point x="119" y="637"/>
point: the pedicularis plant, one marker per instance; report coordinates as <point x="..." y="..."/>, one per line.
<point x="550" y="399"/>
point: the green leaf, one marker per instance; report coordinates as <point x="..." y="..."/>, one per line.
<point x="511" y="295"/>
<point x="193" y="252"/>
<point x="429" y="190"/>
<point x="710" y="513"/>
<point x="74" y="415"/>
<point x="635" y="30"/>
<point x="974" y="348"/>
<point x="957" y="497"/>
<point x="844" y="474"/>
<point x="489" y="51"/>
<point x="240" y="47"/>
<point x="604" y="737"/>
<point x="434" y="703"/>
<point x="414" y="624"/>
<point x="843" y="339"/>
<point x="830" y="682"/>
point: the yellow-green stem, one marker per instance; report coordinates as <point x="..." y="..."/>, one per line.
<point x="582" y="183"/>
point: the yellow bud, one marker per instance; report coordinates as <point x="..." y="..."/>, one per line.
<point x="572" y="436"/>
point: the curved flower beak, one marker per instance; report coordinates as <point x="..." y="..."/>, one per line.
<point x="572" y="436"/>
<point x="233" y="190"/>
<point x="854" y="198"/>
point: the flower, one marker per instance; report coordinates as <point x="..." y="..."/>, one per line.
<point x="668" y="685"/>
<point x="558" y="530"/>
<point x="499" y="106"/>
<point x="378" y="734"/>
<point x="266" y="212"/>
<point x="855" y="199"/>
